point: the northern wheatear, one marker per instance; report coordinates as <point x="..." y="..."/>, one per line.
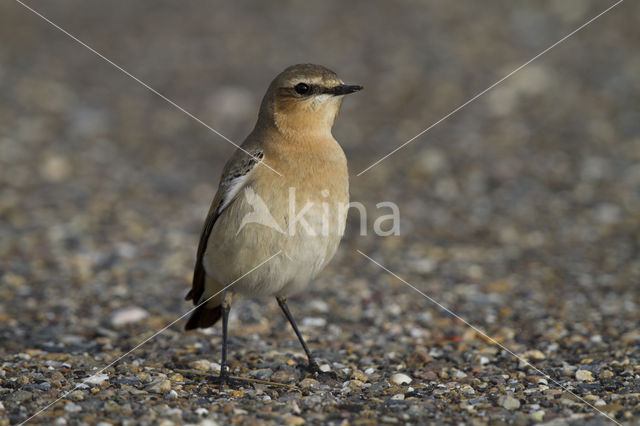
<point x="296" y="206"/>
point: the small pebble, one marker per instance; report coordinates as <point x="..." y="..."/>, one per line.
<point x="202" y="412"/>
<point x="459" y="374"/>
<point x="262" y="374"/>
<point x="606" y="374"/>
<point x="72" y="408"/>
<point x="509" y="402"/>
<point x="359" y="375"/>
<point x="96" y="379"/>
<point x="584" y="375"/>
<point x="128" y="315"/>
<point x="173" y="412"/>
<point x="355" y="384"/>
<point x="400" y="379"/>
<point x="537" y="416"/>
<point x="77" y="395"/>
<point x="201" y="364"/>
<point x="467" y="390"/>
<point x="314" y="322"/>
<point x="55" y="168"/>
<point x="534" y="354"/>
<point x="45" y="386"/>
<point x="20" y="396"/>
<point x="418" y="358"/>
<point x="159" y="385"/>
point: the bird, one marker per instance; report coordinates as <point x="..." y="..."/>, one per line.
<point x="282" y="196"/>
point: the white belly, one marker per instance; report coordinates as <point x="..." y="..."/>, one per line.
<point x="231" y="254"/>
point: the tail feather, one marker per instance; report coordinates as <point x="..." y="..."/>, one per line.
<point x="204" y="317"/>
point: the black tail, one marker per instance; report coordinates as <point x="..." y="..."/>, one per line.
<point x="204" y="317"/>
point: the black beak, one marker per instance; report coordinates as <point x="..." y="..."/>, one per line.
<point x="343" y="89"/>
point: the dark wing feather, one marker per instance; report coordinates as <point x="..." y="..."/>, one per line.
<point x="199" y="273"/>
<point x="233" y="179"/>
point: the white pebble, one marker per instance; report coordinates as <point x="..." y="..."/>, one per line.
<point x="369" y="371"/>
<point x="202" y="412"/>
<point x="128" y="315"/>
<point x="173" y="412"/>
<point x="467" y="390"/>
<point x="398" y="397"/>
<point x="400" y="379"/>
<point x="459" y="374"/>
<point x="325" y="368"/>
<point x="96" y="379"/>
<point x="71" y="407"/>
<point x="318" y="306"/>
<point x="171" y="394"/>
<point x="314" y="322"/>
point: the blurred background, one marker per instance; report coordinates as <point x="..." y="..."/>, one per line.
<point x="521" y="212"/>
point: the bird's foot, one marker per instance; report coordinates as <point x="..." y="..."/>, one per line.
<point x="224" y="380"/>
<point x="317" y="372"/>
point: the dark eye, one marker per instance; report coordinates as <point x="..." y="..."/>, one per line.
<point x="302" y="88"/>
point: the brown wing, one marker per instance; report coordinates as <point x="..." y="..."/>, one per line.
<point x="233" y="179"/>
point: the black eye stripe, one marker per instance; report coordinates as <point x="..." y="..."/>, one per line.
<point x="307" y="89"/>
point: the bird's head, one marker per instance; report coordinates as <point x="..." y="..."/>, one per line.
<point x="304" y="100"/>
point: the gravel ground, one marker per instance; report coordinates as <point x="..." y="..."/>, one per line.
<point x="521" y="213"/>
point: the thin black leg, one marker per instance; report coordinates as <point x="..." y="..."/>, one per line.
<point x="224" y="369"/>
<point x="313" y="365"/>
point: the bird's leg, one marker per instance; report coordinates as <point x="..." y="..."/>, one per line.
<point x="224" y="369"/>
<point x="313" y="365"/>
<point x="226" y="307"/>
